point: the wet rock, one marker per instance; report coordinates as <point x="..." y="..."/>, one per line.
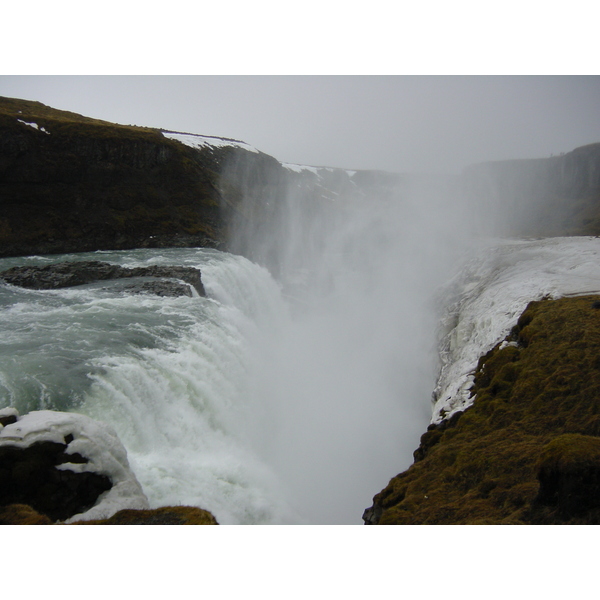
<point x="29" y="476"/>
<point x="159" y="288"/>
<point x="69" y="274"/>
<point x="65" y="466"/>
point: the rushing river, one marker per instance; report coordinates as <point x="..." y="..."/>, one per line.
<point x="292" y="393"/>
<point x="258" y="407"/>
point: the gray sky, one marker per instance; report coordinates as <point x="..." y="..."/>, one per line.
<point x="395" y="123"/>
<point x="285" y="80"/>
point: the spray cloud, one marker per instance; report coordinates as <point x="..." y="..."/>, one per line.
<point x="344" y="383"/>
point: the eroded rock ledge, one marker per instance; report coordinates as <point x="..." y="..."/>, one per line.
<point x="69" y="274"/>
<point x="65" y="466"/>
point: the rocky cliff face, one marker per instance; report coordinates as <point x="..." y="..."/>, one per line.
<point x="69" y="183"/>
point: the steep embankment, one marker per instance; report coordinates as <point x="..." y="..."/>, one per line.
<point x="70" y="183"/>
<point x="517" y="439"/>
<point x="528" y="450"/>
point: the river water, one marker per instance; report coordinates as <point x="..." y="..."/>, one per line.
<point x="292" y="393"/>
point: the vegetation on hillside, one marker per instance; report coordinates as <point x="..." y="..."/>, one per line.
<point x="528" y="450"/>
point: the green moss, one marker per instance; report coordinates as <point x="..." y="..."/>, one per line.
<point x="166" y="515"/>
<point x="536" y="411"/>
<point x="571" y="451"/>
<point x="21" y="514"/>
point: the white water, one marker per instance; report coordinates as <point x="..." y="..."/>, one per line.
<point x="267" y="402"/>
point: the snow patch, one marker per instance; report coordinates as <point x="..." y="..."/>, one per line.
<point x="34" y="125"/>
<point x="488" y="296"/>
<point x="202" y="141"/>
<point x="92" y="439"/>
<point x="300" y="168"/>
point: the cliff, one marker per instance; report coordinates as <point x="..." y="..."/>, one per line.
<point x="70" y="183"/>
<point x="527" y="451"/>
<point x="559" y="195"/>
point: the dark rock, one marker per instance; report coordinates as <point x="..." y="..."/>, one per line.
<point x="65" y="466"/>
<point x="8" y="419"/>
<point x="159" y="288"/>
<point x="372" y="515"/>
<point x="569" y="476"/>
<point x="29" y="476"/>
<point x="69" y="274"/>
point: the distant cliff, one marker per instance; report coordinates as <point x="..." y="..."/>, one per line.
<point x="558" y="195"/>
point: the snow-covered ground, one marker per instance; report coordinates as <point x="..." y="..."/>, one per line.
<point x="92" y="439"/>
<point x="201" y="141"/>
<point x="34" y="125"/>
<point x="488" y="296"/>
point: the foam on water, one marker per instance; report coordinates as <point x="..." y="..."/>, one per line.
<point x="167" y="373"/>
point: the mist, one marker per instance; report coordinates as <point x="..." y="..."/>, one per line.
<point x="344" y="381"/>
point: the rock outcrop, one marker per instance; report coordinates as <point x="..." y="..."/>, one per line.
<point x="65" y="466"/>
<point x="30" y="476"/>
<point x="69" y="274"/>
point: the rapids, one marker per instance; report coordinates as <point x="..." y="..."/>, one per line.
<point x="255" y="406"/>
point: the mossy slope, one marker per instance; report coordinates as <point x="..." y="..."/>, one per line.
<point x="528" y="450"/>
<point x="166" y="515"/>
<point x="21" y="514"/>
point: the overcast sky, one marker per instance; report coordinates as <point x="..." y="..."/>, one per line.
<point x="395" y="123"/>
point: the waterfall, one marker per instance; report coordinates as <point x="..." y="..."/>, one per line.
<point x="345" y="381"/>
<point x="292" y="392"/>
